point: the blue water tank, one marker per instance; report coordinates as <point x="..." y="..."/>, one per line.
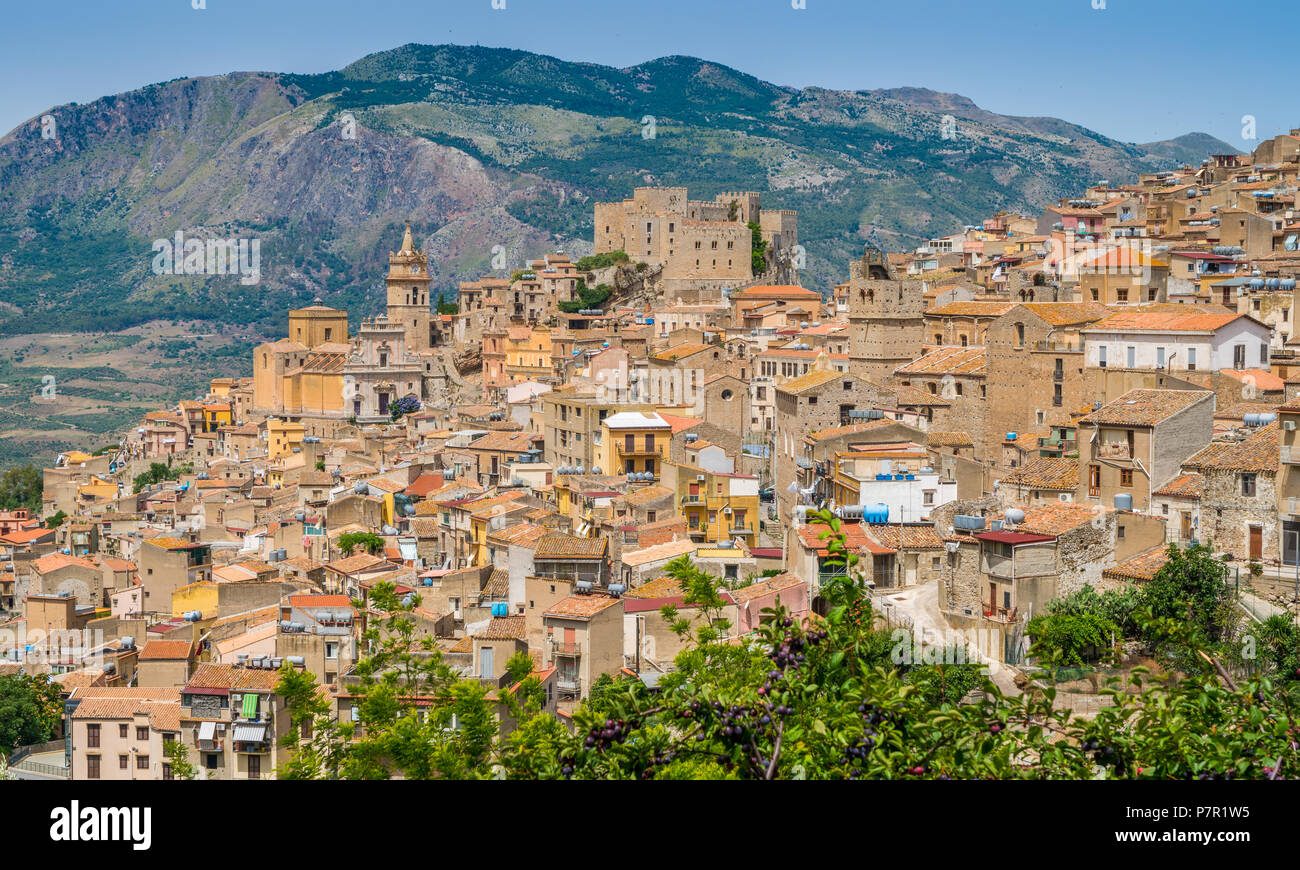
<point x="875" y="513"/>
<point x="1011" y="436"/>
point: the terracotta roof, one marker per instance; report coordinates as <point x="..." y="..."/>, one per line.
<point x="948" y="360"/>
<point x="1143" y="567"/>
<point x="1145" y="407"/>
<point x="777" y="584"/>
<point x="519" y="535"/>
<point x="561" y="546"/>
<point x="856" y="538"/>
<point x="1189" y="485"/>
<point x="971" y="308"/>
<point x="319" y="601"/>
<point x="1139" y="320"/>
<point x="581" y="606"/>
<point x="158" y="650"/>
<point x="660" y="587"/>
<point x="1263" y="380"/>
<point x="811" y="381"/>
<point x="163" y="708"/>
<point x="505" y="628"/>
<point x="955" y="438"/>
<point x="210" y="676"/>
<point x="1058" y="518"/>
<point x="658" y="552"/>
<point x="1258" y="453"/>
<point x="851" y="429"/>
<point x="909" y="537"/>
<point x="1067" y="313"/>
<point x="1046" y="473"/>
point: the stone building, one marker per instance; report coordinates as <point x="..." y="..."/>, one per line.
<point x="702" y="247"/>
<point x="1239" y="498"/>
<point x="1133" y="445"/>
<point x="886" y="318"/>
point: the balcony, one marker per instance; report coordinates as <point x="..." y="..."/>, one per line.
<point x="1291" y="507"/>
<point x="691" y="499"/>
<point x="741" y="530"/>
<point x="1114" y="450"/>
<point x="573" y="650"/>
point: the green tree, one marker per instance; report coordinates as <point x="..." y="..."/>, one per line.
<point x="21" y="487"/>
<point x="55" y="520"/>
<point x="178" y="758"/>
<point x="368" y="541"/>
<point x="758" y="249"/>
<point x="30" y="711"/>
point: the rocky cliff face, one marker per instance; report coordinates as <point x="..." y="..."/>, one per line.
<point x="481" y="148"/>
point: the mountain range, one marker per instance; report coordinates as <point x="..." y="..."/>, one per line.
<point x="483" y="150"/>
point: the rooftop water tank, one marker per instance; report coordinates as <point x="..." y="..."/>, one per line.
<point x="1014" y="515"/>
<point x="1124" y="501"/>
<point x="875" y="513"/>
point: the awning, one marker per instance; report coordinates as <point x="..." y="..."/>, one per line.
<point x="207" y="732"/>
<point x="250" y="706"/>
<point x="249" y="733"/>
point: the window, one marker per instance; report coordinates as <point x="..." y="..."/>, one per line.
<point x="1248" y="484"/>
<point x="1160" y="357"/>
<point x="92" y="766"/>
<point x="122" y="762"/>
<point x="121" y="730"/>
<point x="927" y="497"/>
<point x="1239" y="356"/>
<point x="92" y="736"/>
<point x="167" y="771"/>
<point x="1101" y="356"/>
<point x="1126" y="477"/>
<point x="1132" y="357"/>
<point x="1191" y="359"/>
<point x="1020" y="335"/>
<point x="1263" y="354"/>
<point x="142" y="762"/>
<point x="1119" y="531"/>
<point x="142" y="732"/>
<point x="254" y="767"/>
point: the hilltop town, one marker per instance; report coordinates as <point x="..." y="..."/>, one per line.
<point x="555" y="484"/>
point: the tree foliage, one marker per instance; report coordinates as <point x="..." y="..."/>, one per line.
<point x="807" y="697"/>
<point x="30" y="711"/>
<point x="21" y="487"/>
<point x="348" y="542"/>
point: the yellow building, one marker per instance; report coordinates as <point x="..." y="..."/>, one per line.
<point x="303" y="374"/>
<point x="282" y="436"/>
<point x="718" y="506"/>
<point x="217" y="414"/>
<point x="318" y="324"/>
<point x="222" y="387"/>
<point x="201" y="596"/>
<point x="632" y="442"/>
<point x="528" y="353"/>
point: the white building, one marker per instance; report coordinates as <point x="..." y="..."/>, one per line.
<point x="1193" y="341"/>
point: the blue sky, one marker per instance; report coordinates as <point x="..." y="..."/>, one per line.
<point x="1136" y="70"/>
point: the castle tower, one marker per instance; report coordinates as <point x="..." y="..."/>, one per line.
<point x="408" y="294"/>
<point x="886" y="317"/>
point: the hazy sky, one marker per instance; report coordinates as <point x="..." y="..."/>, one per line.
<point x="1136" y="70"/>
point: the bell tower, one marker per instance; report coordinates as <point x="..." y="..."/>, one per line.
<point x="407" y="284"/>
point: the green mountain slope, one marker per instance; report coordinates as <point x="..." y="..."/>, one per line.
<point x="482" y="147"/>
